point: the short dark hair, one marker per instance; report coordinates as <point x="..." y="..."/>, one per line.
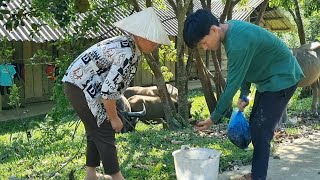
<point x="197" y="25"/>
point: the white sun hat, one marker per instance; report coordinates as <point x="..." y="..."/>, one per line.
<point x="145" y="24"/>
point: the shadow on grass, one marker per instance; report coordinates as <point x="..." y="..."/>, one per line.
<point x="21" y="125"/>
<point x="14" y="126"/>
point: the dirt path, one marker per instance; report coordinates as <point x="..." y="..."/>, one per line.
<point x="295" y="159"/>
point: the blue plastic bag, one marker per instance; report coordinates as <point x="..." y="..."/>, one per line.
<point x="239" y="130"/>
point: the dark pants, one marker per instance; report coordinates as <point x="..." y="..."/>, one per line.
<point x="266" y="113"/>
<point x="100" y="140"/>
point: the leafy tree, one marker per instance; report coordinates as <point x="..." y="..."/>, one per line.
<point x="204" y="73"/>
<point x="6" y="51"/>
<point x="61" y="13"/>
<point x="315" y="27"/>
<point x="180" y="8"/>
<point x="174" y="120"/>
<point x="294" y="9"/>
<point x="310" y="7"/>
<point x="165" y="54"/>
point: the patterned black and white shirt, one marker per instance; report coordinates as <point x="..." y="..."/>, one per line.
<point x="104" y="70"/>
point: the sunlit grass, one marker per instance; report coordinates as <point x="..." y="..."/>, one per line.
<point x="292" y="131"/>
<point x="144" y="154"/>
<point x="299" y="105"/>
<point x="317" y="126"/>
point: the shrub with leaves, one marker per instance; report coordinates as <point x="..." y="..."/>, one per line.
<point x="166" y="54"/>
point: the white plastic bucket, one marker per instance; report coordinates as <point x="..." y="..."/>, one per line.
<point x="196" y="164"/>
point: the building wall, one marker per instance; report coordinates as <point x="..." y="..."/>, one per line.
<point x="31" y="77"/>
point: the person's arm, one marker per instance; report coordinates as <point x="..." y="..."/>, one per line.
<point x="238" y="65"/>
<point x="111" y="108"/>
<point x="245" y="88"/>
<point x="113" y="87"/>
<point x="243" y="100"/>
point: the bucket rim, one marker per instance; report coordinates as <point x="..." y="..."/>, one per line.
<point x="217" y="153"/>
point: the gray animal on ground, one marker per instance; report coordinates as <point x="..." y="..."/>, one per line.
<point x="150" y="91"/>
<point x="308" y="57"/>
<point x="128" y="118"/>
<point x="153" y="105"/>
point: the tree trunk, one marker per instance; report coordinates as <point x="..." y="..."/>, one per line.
<point x="225" y="11"/>
<point x="182" y="78"/>
<point x="189" y="62"/>
<point x="167" y="104"/>
<point x="173" y="5"/>
<point x="299" y="23"/>
<point x="135" y="5"/>
<point x="206" y="4"/>
<point x="148" y="3"/>
<point x="174" y="120"/>
<point x="302" y="36"/>
<point x="230" y="10"/>
<point x="219" y="79"/>
<point x="216" y="56"/>
<point x="202" y="70"/>
<point x="205" y="82"/>
<point x="263" y="8"/>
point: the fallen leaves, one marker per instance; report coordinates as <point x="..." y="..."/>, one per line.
<point x="281" y="136"/>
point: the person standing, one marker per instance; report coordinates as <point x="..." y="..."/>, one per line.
<point x="254" y="56"/>
<point x="99" y="76"/>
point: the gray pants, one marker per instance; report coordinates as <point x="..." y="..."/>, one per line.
<point x="100" y="140"/>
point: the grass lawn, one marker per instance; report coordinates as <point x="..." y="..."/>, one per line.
<point x="146" y="154"/>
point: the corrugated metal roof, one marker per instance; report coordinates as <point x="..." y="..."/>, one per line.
<point x="49" y="33"/>
<point x="275" y="21"/>
<point x="240" y="12"/>
<point x="167" y="16"/>
<point x="23" y="32"/>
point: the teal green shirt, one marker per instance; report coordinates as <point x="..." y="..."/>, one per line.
<point x="256" y="56"/>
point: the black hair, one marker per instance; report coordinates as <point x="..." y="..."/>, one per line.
<point x="197" y="25"/>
